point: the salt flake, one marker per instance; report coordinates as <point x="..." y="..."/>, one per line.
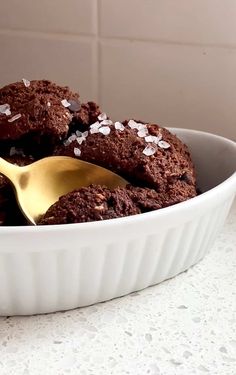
<point x="80" y="140"/>
<point x="94" y="130"/>
<point x="102" y="116"/>
<point x="132" y="124"/>
<point x="150" y="150"/>
<point x="85" y="134"/>
<point x="153" y="139"/>
<point x="78" y="133"/>
<point x="48" y="104"/>
<point x="77" y="151"/>
<point x="119" y="126"/>
<point x="143" y="133"/>
<point x="67" y="142"/>
<point x="72" y="138"/>
<point x="8" y="112"/>
<point x="105" y="130"/>
<point x="82" y="137"/>
<point x="26" y="82"/>
<point x="96" y="125"/>
<point x="163" y="144"/>
<point x="5" y="109"/>
<point x="65" y="103"/>
<point x="140" y="126"/>
<point x="149" y="138"/>
<point x="157" y="139"/>
<point x="14" y="118"/>
<point x="106" y="122"/>
<point x="14" y="151"/>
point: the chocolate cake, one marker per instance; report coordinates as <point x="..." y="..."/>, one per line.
<point x="94" y="203"/>
<point x="40" y="118"/>
<point x="145" y="154"/>
<point x="90" y="204"/>
<point x="36" y="115"/>
<point x="36" y="107"/>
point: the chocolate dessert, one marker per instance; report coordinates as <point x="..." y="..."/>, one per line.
<point x="146" y="155"/>
<point x="36" y="115"/>
<point x="90" y="203"/>
<point x="10" y="213"/>
<point x="36" y="107"/>
<point x="94" y="203"/>
<point x="40" y="118"/>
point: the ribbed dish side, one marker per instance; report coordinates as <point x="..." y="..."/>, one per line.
<point x="50" y="281"/>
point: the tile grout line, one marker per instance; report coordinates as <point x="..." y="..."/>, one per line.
<point x="96" y="60"/>
<point x="98" y="51"/>
<point x="98" y="38"/>
<point x="167" y="42"/>
<point x="46" y="35"/>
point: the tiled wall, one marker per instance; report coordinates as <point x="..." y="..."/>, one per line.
<point x="166" y="61"/>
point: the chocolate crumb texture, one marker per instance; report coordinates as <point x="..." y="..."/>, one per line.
<point x="39" y="118"/>
<point x="140" y="162"/>
<point x="91" y="203"/>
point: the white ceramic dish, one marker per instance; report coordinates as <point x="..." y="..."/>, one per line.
<point x="51" y="268"/>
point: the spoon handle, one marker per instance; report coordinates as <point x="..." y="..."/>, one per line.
<point x="9" y="170"/>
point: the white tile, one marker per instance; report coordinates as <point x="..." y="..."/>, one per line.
<point x="191" y="21"/>
<point x="67" y="62"/>
<point x="173" y="85"/>
<point x="69" y="16"/>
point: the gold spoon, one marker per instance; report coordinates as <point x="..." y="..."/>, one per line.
<point x="40" y="184"/>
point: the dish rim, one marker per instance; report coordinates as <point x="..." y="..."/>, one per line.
<point x="183" y="206"/>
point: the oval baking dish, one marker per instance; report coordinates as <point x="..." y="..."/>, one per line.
<point x="50" y="268"/>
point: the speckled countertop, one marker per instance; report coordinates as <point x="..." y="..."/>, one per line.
<point x="186" y="325"/>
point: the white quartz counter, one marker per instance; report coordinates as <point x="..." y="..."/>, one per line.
<point x="186" y="325"/>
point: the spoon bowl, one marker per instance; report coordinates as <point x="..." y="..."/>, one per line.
<point x="40" y="184"/>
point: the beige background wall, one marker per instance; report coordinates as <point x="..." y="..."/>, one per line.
<point x="167" y="61"/>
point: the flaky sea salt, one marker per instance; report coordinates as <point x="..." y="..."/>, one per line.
<point x="96" y="125"/>
<point x="93" y="131"/>
<point x="80" y="140"/>
<point x="77" y="151"/>
<point x="157" y="139"/>
<point x="26" y="82"/>
<point x="85" y="134"/>
<point x="5" y="109"/>
<point x="8" y="112"/>
<point x="72" y="137"/>
<point x="65" y="103"/>
<point x="106" y="122"/>
<point x="105" y="130"/>
<point x="140" y="126"/>
<point x="67" y="142"/>
<point x="149" y="138"/>
<point x="143" y="133"/>
<point x="82" y="137"/>
<point x="119" y="126"/>
<point x="14" y="151"/>
<point x="163" y="144"/>
<point x="94" y="128"/>
<point x="48" y="104"/>
<point x="153" y="139"/>
<point x="132" y="124"/>
<point x="150" y="150"/>
<point x="102" y="116"/>
<point x="136" y="125"/>
<point x="14" y="118"/>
